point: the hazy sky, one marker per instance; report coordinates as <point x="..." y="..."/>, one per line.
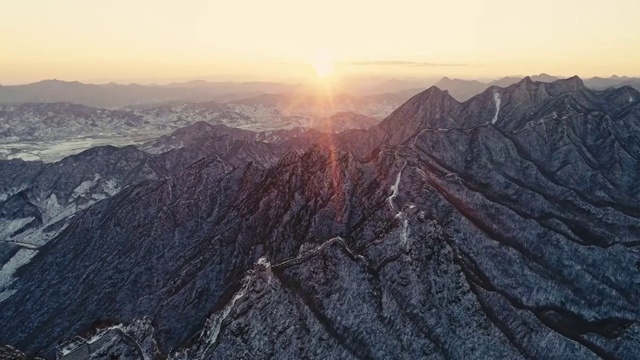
<point x="152" y="40"/>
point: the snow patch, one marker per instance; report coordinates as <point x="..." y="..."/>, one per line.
<point x="404" y="236"/>
<point x="51" y="205"/>
<point x="8" y="270"/>
<point x="84" y="187"/>
<point x="24" y="156"/>
<point x="8" y="227"/>
<point x="395" y="187"/>
<point x="264" y="262"/>
<point x="11" y="192"/>
<point x="498" y="100"/>
<point x="5" y="294"/>
<point x="53" y="212"/>
<point x="630" y="99"/>
<point x="22" y="244"/>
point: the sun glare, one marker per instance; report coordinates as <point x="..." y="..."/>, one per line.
<point x="323" y="65"/>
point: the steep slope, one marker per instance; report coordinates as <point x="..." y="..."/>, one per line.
<point x="501" y="227"/>
<point x="233" y="218"/>
<point x="38" y="201"/>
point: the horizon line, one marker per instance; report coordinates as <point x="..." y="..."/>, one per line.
<point x="203" y="79"/>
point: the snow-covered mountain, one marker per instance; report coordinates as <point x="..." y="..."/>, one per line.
<point x="502" y="227"/>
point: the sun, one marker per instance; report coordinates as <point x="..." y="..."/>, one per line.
<point x="323" y="65"/>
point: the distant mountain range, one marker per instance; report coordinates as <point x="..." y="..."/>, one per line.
<point x="118" y="95"/>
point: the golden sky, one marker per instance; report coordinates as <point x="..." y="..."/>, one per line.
<point x="162" y="40"/>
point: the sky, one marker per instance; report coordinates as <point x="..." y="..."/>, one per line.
<point x="285" y="40"/>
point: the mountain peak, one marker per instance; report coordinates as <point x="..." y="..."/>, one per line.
<point x="428" y="109"/>
<point x="431" y="95"/>
<point x="435" y="91"/>
<point x="526" y="80"/>
<point x="575" y="79"/>
<point x="573" y="83"/>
